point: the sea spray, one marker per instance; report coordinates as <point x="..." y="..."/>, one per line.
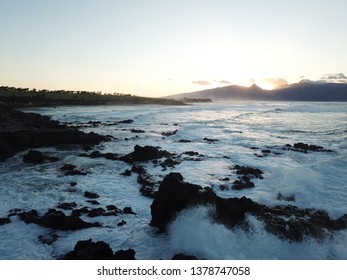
<point x="193" y="232"/>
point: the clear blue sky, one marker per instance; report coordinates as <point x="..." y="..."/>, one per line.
<point x="157" y="48"/>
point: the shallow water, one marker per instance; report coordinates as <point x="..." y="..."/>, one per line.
<point x="316" y="179"/>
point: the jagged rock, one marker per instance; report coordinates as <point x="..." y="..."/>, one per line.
<point x="248" y="171"/>
<point x="68" y="167"/>
<point x="145" y="153"/>
<point x="124" y="255"/>
<point x="304" y="148"/>
<point x="96" y="212"/>
<point x="97" y="154"/>
<point x="67" y="205"/>
<point x="169" y="133"/>
<point x="287" y="222"/>
<point x="4" y="221"/>
<point x="91" y="194"/>
<point x="70" y="170"/>
<point x="121" y="223"/>
<point x="126" y="173"/>
<point x="100" y="250"/>
<point x="48" y="239"/>
<point x="37" y="157"/>
<point x="128" y="210"/>
<point x="21" y="131"/>
<point x="134" y="130"/>
<point x="56" y="220"/>
<point x="88" y="250"/>
<point x="209" y="140"/>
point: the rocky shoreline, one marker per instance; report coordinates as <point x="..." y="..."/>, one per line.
<point x="171" y="194"/>
<point x="21" y="131"/>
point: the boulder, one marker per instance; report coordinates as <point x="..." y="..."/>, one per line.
<point x="145" y="153"/>
<point x="100" y="250"/>
<point x="286" y="221"/>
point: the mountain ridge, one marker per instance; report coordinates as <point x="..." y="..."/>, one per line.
<point x="302" y="91"/>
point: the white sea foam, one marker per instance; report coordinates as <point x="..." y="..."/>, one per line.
<point x="317" y="180"/>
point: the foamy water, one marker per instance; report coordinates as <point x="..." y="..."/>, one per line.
<point x="316" y="179"/>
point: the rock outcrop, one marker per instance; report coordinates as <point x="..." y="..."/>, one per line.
<point x="288" y="222"/>
<point x="20" y="131"/>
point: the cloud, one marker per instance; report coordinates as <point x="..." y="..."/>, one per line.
<point x="334" y="78"/>
<point x="201" y="83"/>
<point x="276" y="82"/>
<point x="338" y="76"/>
<point x="224" y="82"/>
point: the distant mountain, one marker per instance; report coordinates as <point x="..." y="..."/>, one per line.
<point x="303" y="91"/>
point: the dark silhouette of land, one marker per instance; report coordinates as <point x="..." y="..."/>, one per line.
<point x="303" y="91"/>
<point x="24" y="97"/>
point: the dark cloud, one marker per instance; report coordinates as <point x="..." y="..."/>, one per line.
<point x="201" y="83"/>
<point x="339" y="76"/>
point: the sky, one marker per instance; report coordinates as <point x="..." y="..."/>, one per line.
<point x="158" y="48"/>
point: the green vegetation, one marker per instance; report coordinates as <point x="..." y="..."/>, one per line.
<point x="25" y="97"/>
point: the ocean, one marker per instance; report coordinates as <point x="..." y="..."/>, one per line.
<point x="224" y="135"/>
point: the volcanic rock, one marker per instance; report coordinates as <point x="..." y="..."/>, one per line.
<point x="100" y="250"/>
<point x="287" y="222"/>
<point x="21" y="131"/>
<point x="145" y="153"/>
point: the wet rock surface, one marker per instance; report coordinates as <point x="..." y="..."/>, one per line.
<point x="20" y="131"/>
<point x="100" y="250"/>
<point x="288" y="222"/>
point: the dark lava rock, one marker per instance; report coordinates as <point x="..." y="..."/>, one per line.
<point x="128" y="210"/>
<point x="121" y="223"/>
<point x="126" y="173"/>
<point x="67" y="205"/>
<point x="287" y="222"/>
<point x="112" y="207"/>
<point x="100" y="250"/>
<point x="134" y="130"/>
<point x="244" y="183"/>
<point x="173" y="196"/>
<point x="184" y="141"/>
<point x="37" y="157"/>
<point x="127" y="121"/>
<point x="88" y="250"/>
<point x="139" y="169"/>
<point x="97" y="154"/>
<point x="169" y="162"/>
<point x="91" y="194"/>
<point x="48" y="239"/>
<point x="209" y="140"/>
<point x="304" y="148"/>
<point x="21" y="131"/>
<point x="169" y="133"/>
<point x="70" y="170"/>
<point x="56" y="220"/>
<point x="145" y="153"/>
<point x="4" y="221"/>
<point x="124" y="255"/>
<point x="68" y="167"/>
<point x="249" y="171"/>
<point x="183" y="257"/>
<point x="94" y="202"/>
<point x="96" y="212"/>
<point x="33" y="157"/>
<point x="29" y="217"/>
